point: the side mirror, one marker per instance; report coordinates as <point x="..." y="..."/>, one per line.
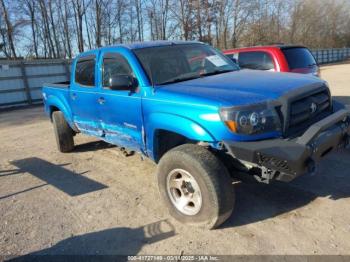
<point x="122" y="82"/>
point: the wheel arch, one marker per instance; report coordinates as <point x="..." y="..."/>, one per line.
<point x="168" y="131"/>
<point x="54" y="104"/>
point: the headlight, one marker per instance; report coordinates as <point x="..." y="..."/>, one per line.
<point x="251" y="119"/>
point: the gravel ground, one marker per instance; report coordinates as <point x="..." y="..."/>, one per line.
<point x="97" y="201"/>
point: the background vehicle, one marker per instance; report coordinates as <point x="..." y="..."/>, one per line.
<point x="279" y="58"/>
<point x="190" y="109"/>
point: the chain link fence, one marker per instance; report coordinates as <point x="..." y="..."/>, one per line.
<point x="325" y="56"/>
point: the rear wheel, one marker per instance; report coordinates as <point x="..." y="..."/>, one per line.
<point x="63" y="132"/>
<point x="195" y="186"/>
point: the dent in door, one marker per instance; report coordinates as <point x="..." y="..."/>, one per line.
<point x="122" y="135"/>
<point x="90" y="128"/>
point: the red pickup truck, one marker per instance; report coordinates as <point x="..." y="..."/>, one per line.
<point x="279" y="58"/>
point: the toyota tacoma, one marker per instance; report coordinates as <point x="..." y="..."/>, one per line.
<point x="195" y="113"/>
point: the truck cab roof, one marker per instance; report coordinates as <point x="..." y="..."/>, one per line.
<point x="146" y="44"/>
<point x="140" y="45"/>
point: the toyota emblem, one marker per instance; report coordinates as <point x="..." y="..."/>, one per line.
<point x="313" y="108"/>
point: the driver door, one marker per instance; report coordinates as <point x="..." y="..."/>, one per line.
<point x="119" y="110"/>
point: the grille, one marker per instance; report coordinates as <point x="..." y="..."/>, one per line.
<point x="308" y="110"/>
<point x="275" y="163"/>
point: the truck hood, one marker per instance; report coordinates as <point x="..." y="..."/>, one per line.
<point x="237" y="88"/>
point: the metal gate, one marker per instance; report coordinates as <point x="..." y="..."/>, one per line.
<point x="21" y="81"/>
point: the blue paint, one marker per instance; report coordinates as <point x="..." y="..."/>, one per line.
<point x="189" y="108"/>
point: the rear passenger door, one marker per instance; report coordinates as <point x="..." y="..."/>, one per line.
<point x="83" y="96"/>
<point x="120" y="110"/>
<point x="257" y="60"/>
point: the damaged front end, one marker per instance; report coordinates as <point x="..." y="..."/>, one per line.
<point x="286" y="159"/>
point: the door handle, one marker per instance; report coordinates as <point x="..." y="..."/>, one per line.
<point x="101" y="100"/>
<point x="73" y="96"/>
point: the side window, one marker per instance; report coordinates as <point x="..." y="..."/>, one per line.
<point x="85" y="71"/>
<point x="255" y="60"/>
<point x="113" y="65"/>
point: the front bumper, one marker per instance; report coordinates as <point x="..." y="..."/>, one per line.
<point x="292" y="158"/>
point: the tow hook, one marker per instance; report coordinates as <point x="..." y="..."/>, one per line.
<point x="266" y="175"/>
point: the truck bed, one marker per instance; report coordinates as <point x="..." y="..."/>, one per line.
<point x="58" y="92"/>
<point x="65" y="85"/>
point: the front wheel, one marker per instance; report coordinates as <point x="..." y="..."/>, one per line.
<point x="195" y="186"/>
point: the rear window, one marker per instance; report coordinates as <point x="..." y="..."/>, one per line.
<point x="299" y="57"/>
<point x="255" y="60"/>
<point x="85" y="71"/>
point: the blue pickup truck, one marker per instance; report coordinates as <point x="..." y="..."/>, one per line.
<point x="197" y="115"/>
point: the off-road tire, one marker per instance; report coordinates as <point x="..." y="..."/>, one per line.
<point x="212" y="177"/>
<point x="63" y="132"/>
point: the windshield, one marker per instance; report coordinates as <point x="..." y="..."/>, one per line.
<point x="299" y="57"/>
<point x="176" y="63"/>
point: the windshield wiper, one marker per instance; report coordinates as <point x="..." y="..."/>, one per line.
<point x="216" y="72"/>
<point x="179" y="79"/>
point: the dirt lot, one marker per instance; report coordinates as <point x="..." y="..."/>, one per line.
<point x="96" y="201"/>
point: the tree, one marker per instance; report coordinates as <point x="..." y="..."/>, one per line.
<point x="9" y="29"/>
<point x="30" y="8"/>
<point x="62" y="28"/>
<point x="79" y="11"/>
